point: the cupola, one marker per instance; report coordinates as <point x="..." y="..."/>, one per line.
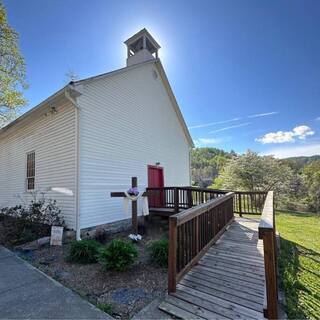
<point x="141" y="47"/>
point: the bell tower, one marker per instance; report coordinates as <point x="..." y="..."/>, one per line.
<point x="141" y="47"/>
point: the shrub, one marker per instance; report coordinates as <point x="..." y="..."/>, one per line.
<point x="31" y="221"/>
<point x="118" y="255"/>
<point x="39" y="210"/>
<point x="106" y="307"/>
<point x="84" y="251"/>
<point x="45" y="211"/>
<point x="159" y="252"/>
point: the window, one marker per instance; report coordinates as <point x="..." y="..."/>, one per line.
<point x="31" y="170"/>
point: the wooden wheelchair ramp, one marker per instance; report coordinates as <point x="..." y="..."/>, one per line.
<point x="227" y="282"/>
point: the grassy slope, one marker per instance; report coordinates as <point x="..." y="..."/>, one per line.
<point x="299" y="263"/>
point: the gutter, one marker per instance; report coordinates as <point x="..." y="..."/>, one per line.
<point x="77" y="175"/>
<point x="34" y="109"/>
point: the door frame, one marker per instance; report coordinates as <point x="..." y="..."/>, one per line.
<point x="157" y="200"/>
<point x="155" y="167"/>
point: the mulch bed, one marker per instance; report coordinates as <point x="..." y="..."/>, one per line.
<point x="127" y="292"/>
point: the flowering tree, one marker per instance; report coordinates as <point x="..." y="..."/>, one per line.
<point x="251" y="172"/>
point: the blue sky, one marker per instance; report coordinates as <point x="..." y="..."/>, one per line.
<point x="246" y="74"/>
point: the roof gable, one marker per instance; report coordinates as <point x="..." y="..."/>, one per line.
<point x="72" y="87"/>
<point x="165" y="82"/>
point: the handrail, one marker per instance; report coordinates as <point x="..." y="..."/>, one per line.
<point x="193" y="231"/>
<point x="223" y="190"/>
<point x="177" y="198"/>
<point x="267" y="232"/>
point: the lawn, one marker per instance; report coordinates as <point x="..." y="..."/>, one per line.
<point x="299" y="263"/>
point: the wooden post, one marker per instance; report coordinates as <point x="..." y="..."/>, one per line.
<point x="240" y="207"/>
<point x="172" y="258"/>
<point x="198" y="234"/>
<point x="176" y="200"/>
<point x="134" y="212"/>
<point x="267" y="234"/>
<point x="275" y="250"/>
<point x="271" y="312"/>
<point x="190" y="202"/>
<point x="134" y="184"/>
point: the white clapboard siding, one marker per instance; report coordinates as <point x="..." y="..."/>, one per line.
<point x="127" y="121"/>
<point x="52" y="137"/>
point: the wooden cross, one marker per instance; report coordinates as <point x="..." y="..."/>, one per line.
<point x="134" y="184"/>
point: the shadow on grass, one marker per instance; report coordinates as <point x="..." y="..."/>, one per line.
<point x="302" y="214"/>
<point x="300" y="281"/>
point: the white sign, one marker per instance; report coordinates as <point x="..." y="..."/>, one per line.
<point x="56" y="236"/>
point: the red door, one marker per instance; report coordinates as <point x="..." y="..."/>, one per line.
<point x="155" y="180"/>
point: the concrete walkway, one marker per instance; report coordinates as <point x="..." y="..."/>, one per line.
<point x="27" y="293"/>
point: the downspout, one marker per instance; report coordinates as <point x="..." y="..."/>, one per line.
<point x="190" y="170"/>
<point x="77" y="193"/>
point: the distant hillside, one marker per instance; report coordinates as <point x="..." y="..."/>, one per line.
<point x="297" y="163"/>
<point x="206" y="163"/>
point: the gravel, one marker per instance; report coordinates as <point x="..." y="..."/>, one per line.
<point x="127" y="292"/>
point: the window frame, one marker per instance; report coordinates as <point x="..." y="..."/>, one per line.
<point x="26" y="172"/>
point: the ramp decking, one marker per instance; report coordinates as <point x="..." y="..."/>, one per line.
<point x="227" y="282"/>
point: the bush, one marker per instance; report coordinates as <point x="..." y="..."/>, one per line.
<point x="118" y="255"/>
<point x="45" y="211"/>
<point x="84" y="251"/>
<point x="106" y="307"/>
<point x="16" y="231"/>
<point x="159" y="252"/>
<point x="26" y="223"/>
<point x="39" y="210"/>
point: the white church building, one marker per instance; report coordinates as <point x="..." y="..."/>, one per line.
<point x="89" y="138"/>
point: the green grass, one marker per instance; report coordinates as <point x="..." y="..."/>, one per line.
<point x="299" y="263"/>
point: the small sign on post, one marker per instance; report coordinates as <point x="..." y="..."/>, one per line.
<point x="56" y="236"/>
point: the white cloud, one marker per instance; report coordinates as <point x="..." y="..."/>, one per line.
<point x="276" y="137"/>
<point x="296" y="151"/>
<point x="300" y="132"/>
<point x="263" y="114"/>
<point x="231" y="127"/>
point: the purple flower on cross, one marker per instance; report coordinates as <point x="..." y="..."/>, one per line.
<point x="133" y="191"/>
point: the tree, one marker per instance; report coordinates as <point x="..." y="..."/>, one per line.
<point x="12" y="72"/>
<point x="206" y="164"/>
<point x="311" y="179"/>
<point x="251" y="172"/>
